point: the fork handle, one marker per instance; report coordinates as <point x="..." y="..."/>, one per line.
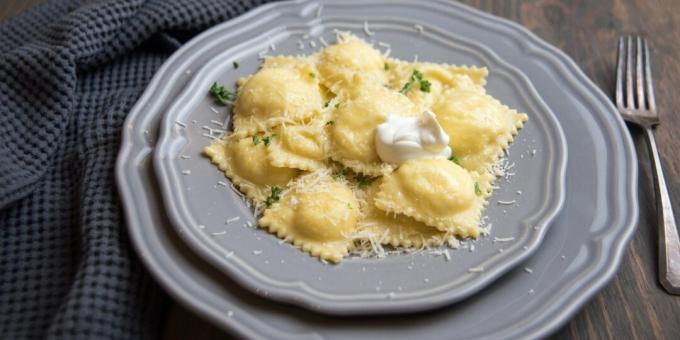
<point x="669" y="243"/>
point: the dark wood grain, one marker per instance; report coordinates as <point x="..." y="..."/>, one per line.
<point x="633" y="305"/>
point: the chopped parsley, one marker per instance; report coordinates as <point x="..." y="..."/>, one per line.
<point x="386" y="66"/>
<point x="311" y="74"/>
<point x="454" y="159"/>
<point x="416" y="77"/>
<point x="274" y="196"/>
<point x="330" y="122"/>
<point x="326" y="103"/>
<point x="268" y="139"/>
<point x="425" y="85"/>
<point x="407" y="87"/>
<point x="235" y="64"/>
<point x="256" y="139"/>
<point x="337" y="105"/>
<point x="338" y="174"/>
<point x="478" y="190"/>
<point x="364" y="181"/>
<point x="221" y="94"/>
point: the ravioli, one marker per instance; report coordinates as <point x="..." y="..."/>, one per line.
<point x="437" y="192"/>
<point x="273" y="96"/>
<point x="396" y="230"/>
<point x="340" y="62"/>
<point x="246" y="164"/>
<point x="303" y="147"/>
<point x="318" y="214"/>
<point x="441" y="78"/>
<point x="482" y="127"/>
<point x="352" y="133"/>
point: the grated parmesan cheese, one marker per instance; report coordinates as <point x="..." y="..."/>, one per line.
<point x="323" y="41"/>
<point x="503" y="239"/>
<point x="367" y="31"/>
<point x="511" y="202"/>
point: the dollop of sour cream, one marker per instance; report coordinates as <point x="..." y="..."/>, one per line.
<point x="399" y="139"/>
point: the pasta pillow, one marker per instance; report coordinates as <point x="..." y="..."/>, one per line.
<point x="319" y="215"/>
<point x="437" y="192"/>
<point x="273" y="96"/>
<point x="339" y="63"/>
<point x="352" y="133"/>
<point x="246" y="164"/>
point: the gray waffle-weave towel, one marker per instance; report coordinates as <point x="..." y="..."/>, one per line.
<point x="69" y="73"/>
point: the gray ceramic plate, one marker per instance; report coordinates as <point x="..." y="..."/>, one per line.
<point x="397" y="283"/>
<point x="577" y="257"/>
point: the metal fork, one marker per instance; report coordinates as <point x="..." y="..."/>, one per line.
<point x="635" y="101"/>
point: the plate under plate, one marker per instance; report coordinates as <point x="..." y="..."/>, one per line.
<point x="579" y="254"/>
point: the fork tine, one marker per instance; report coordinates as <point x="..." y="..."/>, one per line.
<point x="638" y="75"/>
<point x="619" y="75"/>
<point x="648" y="77"/>
<point x="630" y="103"/>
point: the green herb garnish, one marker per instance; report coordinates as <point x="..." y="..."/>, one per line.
<point x="326" y="103"/>
<point x="330" y="122"/>
<point x="221" y="94"/>
<point x="364" y="181"/>
<point x="386" y="66"/>
<point x="268" y="139"/>
<point x="425" y="85"/>
<point x="337" y="174"/>
<point x="407" y="87"/>
<point x="274" y="196"/>
<point x="416" y="77"/>
<point x="337" y="105"/>
<point x="311" y="74"/>
<point x="478" y="190"/>
<point x="235" y="64"/>
<point x="454" y="159"/>
<point x="256" y="139"/>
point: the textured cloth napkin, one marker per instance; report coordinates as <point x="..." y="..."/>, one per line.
<point x="69" y="73"/>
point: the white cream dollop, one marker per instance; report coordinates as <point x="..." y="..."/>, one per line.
<point x="399" y="139"/>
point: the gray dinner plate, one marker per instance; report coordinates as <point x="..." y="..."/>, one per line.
<point x="397" y="283"/>
<point x="576" y="258"/>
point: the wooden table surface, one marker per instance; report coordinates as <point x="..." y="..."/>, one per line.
<point x="633" y="304"/>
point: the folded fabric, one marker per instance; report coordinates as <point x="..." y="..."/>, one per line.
<point x="69" y="73"/>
